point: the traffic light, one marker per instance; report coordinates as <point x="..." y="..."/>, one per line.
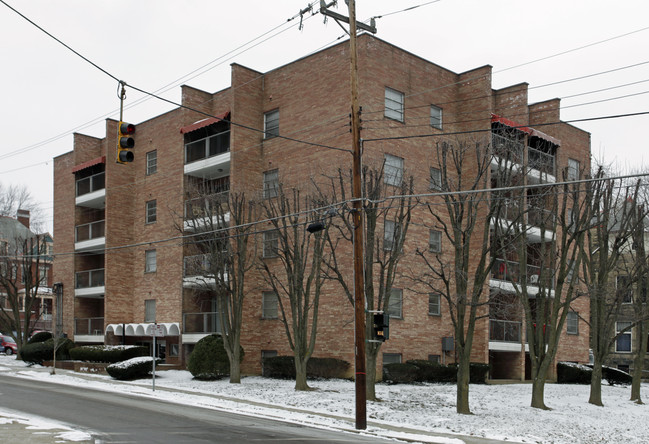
<point x="125" y="142"/>
<point x="381" y="327"/>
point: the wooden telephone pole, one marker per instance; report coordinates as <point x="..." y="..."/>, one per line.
<point x="357" y="215"/>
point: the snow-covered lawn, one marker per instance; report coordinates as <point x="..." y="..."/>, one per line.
<point x="500" y="411"/>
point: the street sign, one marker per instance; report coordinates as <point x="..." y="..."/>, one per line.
<point x="158" y="331"/>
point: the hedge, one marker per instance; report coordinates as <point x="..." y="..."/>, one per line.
<point x="283" y="367"/>
<point x="209" y="360"/>
<point x="38" y="352"/>
<point x="570" y="373"/>
<point x="134" y="368"/>
<point x="427" y="371"/>
<point x="41" y="336"/>
<point x="107" y="353"/>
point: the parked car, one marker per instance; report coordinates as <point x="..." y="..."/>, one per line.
<point x="9" y="345"/>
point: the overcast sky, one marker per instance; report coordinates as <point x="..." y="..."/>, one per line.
<point x="48" y="92"/>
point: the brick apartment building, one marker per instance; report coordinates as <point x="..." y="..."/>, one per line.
<point x="112" y="294"/>
<point x="15" y="237"/>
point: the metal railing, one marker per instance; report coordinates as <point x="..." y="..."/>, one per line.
<point x="91" y="184"/>
<point x="504" y="331"/>
<point x="205" y="206"/>
<point x="541" y="161"/>
<point x="207" y="147"/>
<point x="198" y="265"/>
<point x="89" y="278"/>
<point x="510" y="271"/>
<point x="92" y="230"/>
<point x="201" y="322"/>
<point x="540" y="217"/>
<point x="89" y="326"/>
<point x="507" y="148"/>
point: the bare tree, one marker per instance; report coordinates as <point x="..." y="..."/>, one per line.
<point x="297" y="279"/>
<point x="222" y="222"/>
<point x="605" y="251"/>
<point x="387" y="207"/>
<point x="20" y="280"/>
<point x="463" y="220"/>
<point x="16" y="197"/>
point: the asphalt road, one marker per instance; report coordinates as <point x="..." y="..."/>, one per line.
<point x="118" y="418"/>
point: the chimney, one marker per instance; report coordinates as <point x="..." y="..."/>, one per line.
<point x="23" y="217"/>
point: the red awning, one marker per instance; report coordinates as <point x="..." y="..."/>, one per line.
<point x="205" y="122"/>
<point x="539" y="134"/>
<point x="510" y="123"/>
<point x="89" y="163"/>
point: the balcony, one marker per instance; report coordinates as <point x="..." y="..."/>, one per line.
<point x="89" y="329"/>
<point x="504" y="331"/>
<point x="196" y="271"/>
<point x="508" y="149"/>
<point x="202" y="212"/>
<point x="90" y="283"/>
<point x="208" y="158"/>
<point x="540" y="161"/>
<point x="91" y="236"/>
<point x="91" y="191"/>
<point x="510" y="271"/>
<point x="198" y="325"/>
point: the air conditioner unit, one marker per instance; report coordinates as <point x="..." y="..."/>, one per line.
<point x="534" y="279"/>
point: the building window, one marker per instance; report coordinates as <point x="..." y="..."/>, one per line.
<point x="573" y="169"/>
<point x="394" y="104"/>
<point x="434" y="358"/>
<point x="151" y="211"/>
<point x="42" y="275"/>
<point x="269" y="305"/>
<point x="271" y="184"/>
<point x="434" y="304"/>
<point x="395" y="306"/>
<point x="393" y="170"/>
<point x="391" y="358"/>
<point x="391" y="231"/>
<point x="572" y="323"/>
<point x="435" y="241"/>
<point x="436" y="117"/>
<point x="173" y="350"/>
<point x="624" y="290"/>
<point x="271" y="124"/>
<point x="435" y="180"/>
<point x="623" y="342"/>
<point x="151" y="263"/>
<point x="149" y="310"/>
<point x="151" y="162"/>
<point x="270" y="247"/>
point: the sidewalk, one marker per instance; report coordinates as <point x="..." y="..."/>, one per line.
<point x="20" y="433"/>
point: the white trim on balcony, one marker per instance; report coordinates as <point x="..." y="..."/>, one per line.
<point x="199" y="282"/>
<point x="198" y="224"/>
<point x="505" y="346"/>
<point x="210" y="167"/>
<point x="90" y="292"/>
<point x="193" y="338"/>
<point x="96" y="199"/>
<point x="96" y="244"/>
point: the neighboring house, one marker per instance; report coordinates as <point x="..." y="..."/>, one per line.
<point x="113" y="294"/>
<point x="13" y="232"/>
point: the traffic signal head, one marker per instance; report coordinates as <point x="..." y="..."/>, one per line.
<point x="125" y="142"/>
<point x="381" y="327"/>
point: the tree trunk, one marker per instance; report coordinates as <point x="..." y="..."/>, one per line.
<point x="638" y="363"/>
<point x="370" y="368"/>
<point x="300" y="374"/>
<point x="596" y="384"/>
<point x="538" y="393"/>
<point x="463" y="373"/>
<point x="235" y="367"/>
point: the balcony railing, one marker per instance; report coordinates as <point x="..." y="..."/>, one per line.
<point x="205" y="206"/>
<point x="510" y="271"/>
<point x="198" y="265"/>
<point x="89" y="326"/>
<point x="201" y="322"/>
<point x="504" y="331"/>
<point x="540" y="217"/>
<point x="89" y="231"/>
<point x="90" y="278"/>
<point x="508" y="148"/>
<point x="91" y="184"/>
<point x="541" y="161"/>
<point x="208" y="147"/>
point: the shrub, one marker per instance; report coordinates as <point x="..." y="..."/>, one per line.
<point x="107" y="353"/>
<point x="41" y="336"/>
<point x="478" y="373"/>
<point x="616" y="376"/>
<point x="429" y="371"/>
<point x="571" y="373"/>
<point x="134" y="368"/>
<point x="283" y="367"/>
<point x="399" y="373"/>
<point x="38" y="352"/>
<point x="209" y="360"/>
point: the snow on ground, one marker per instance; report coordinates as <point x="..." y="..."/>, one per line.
<point x="500" y="411"/>
<point x="42" y="426"/>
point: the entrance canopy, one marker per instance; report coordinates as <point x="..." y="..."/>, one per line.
<point x="144" y="329"/>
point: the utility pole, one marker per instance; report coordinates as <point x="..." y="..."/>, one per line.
<point x="357" y="215"/>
